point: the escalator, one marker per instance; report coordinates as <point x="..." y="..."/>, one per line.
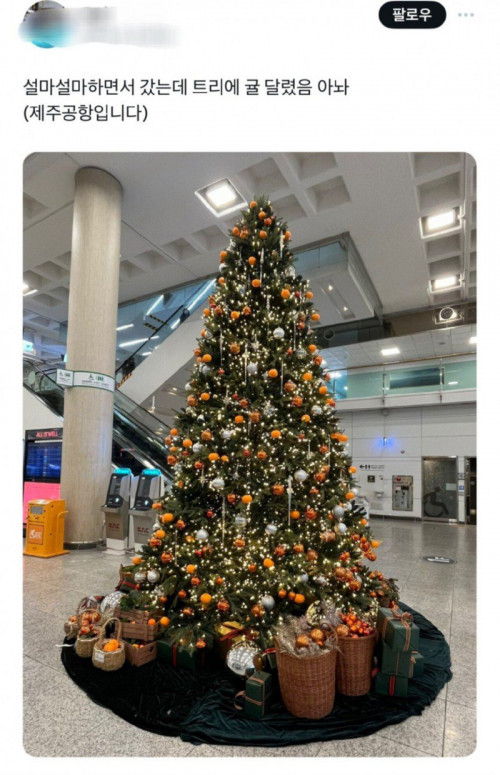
<point x="138" y="437"/>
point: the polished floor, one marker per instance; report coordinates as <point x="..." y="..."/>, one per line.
<point x="59" y="719"/>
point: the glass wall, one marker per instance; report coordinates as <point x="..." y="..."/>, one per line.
<point x="434" y="376"/>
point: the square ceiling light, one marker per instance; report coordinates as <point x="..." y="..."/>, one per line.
<point x="446" y="283"/>
<point x="390" y="351"/>
<point x="440" y="223"/>
<point x="221" y="197"/>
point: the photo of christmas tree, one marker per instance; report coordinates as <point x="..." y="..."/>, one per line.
<point x="263" y="569"/>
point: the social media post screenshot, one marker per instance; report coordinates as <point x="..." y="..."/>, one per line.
<point x="242" y="507"/>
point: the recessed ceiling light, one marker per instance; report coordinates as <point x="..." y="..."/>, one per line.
<point x="440" y="222"/>
<point x="446" y="283"/>
<point x="390" y="351"/>
<point x="221" y="197"/>
<point x="127" y="325"/>
<point x="330" y="287"/>
<point x="345" y="309"/>
<point x="473" y="340"/>
<point x="453" y="383"/>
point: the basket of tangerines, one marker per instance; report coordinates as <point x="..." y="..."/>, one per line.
<point x="357" y="639"/>
<point x="109" y="653"/>
<point x="89" y="627"/>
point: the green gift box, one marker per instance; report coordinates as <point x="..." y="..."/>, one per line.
<point x="257" y="693"/>
<point x="397" y="629"/>
<point x="406" y="664"/>
<point x="391" y="685"/>
<point x="181" y="656"/>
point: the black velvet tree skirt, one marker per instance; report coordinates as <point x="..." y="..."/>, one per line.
<point x="199" y="707"/>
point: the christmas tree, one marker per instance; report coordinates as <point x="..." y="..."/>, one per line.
<point x="261" y="521"/>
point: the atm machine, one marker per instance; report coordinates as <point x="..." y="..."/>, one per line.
<point x="116" y="509"/>
<point x="150" y="488"/>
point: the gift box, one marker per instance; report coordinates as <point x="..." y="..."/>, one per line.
<point x="391" y="685"/>
<point x="257" y="693"/>
<point x="181" y="656"/>
<point x="228" y="634"/>
<point x="406" y="664"/>
<point x="397" y="629"/>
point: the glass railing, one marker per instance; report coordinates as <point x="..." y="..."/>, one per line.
<point x="155" y="320"/>
<point x="441" y="375"/>
<point x="136" y="432"/>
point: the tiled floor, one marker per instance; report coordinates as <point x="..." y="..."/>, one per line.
<point x="59" y="719"/>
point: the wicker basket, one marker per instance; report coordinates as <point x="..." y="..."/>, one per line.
<point x="307" y="683"/>
<point x="85" y="646"/>
<point x="71" y="627"/>
<point x="354" y="664"/>
<point x="109" y="660"/>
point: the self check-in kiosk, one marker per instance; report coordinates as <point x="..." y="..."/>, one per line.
<point x="116" y="509"/>
<point x="150" y="488"/>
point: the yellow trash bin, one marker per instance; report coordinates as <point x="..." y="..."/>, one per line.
<point x="45" y="528"/>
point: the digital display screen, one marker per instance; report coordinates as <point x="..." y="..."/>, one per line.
<point x="43" y="461"/>
<point x="114" y="485"/>
<point x="143" y="490"/>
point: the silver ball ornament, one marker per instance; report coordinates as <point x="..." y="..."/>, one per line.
<point x="338" y="511"/>
<point x="278" y="333"/>
<point x="252" y="368"/>
<point x="300" y="475"/>
<point x="139" y="577"/>
<point x="316" y="410"/>
<point x="153" y="576"/>
<point x="218" y="483"/>
<point x="205" y="370"/>
<point x="271" y="529"/>
<point x="201" y="534"/>
<point x="197" y="447"/>
<point x="301" y="353"/>
<point x="321" y="581"/>
<point x="187" y="387"/>
<point x="304" y="577"/>
<point x="209" y="335"/>
<point x="268" y="602"/>
<point x="226" y="434"/>
<point x="340" y="528"/>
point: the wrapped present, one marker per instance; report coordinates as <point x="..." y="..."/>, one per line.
<point x="391" y="685"/>
<point x="187" y="656"/>
<point x="257" y="694"/>
<point x="228" y="634"/>
<point x="397" y="629"/>
<point x="406" y="664"/>
<point x="270" y="655"/>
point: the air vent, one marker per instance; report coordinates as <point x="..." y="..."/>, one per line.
<point x="448" y="315"/>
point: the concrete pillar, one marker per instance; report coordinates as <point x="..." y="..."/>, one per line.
<point x="91" y="346"/>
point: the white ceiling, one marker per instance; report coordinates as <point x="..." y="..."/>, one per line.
<point x="170" y="238"/>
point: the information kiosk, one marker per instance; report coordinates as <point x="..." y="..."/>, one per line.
<point x="116" y="510"/>
<point x="150" y="488"/>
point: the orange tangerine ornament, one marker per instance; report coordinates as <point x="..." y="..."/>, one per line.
<point x="205" y="396"/>
<point x="236" y="232"/>
<point x="223" y="255"/>
<point x="295" y="514"/>
<point x="205" y="598"/>
<point x="307" y="376"/>
<point x="263" y="234"/>
<point x="299" y="599"/>
<point x="315" y="316"/>
<point x="272" y="373"/>
<point x="309" y="294"/>
<point x="252" y="260"/>
<point x="246" y="499"/>
<point x="288" y="235"/>
<point x="213" y="456"/>
<point x="268" y="563"/>
<point x="235" y="314"/>
<point x="137" y="560"/>
<point x="207" y="358"/>
<point x="352" y="469"/>
<point x="168" y="517"/>
<point x="285" y="293"/>
<point x="276" y="434"/>
<point x="164" y="621"/>
<point x="160" y="533"/>
<point x="239" y="419"/>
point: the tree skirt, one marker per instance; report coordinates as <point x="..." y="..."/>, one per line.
<point x="199" y="706"/>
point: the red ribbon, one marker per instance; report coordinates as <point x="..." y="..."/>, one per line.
<point x="392" y="685"/>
